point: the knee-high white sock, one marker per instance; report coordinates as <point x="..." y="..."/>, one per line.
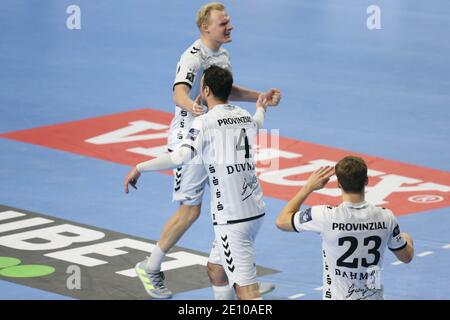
<point x="223" y="293"/>
<point x="154" y="262"/>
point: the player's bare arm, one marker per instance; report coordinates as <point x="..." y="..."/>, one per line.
<point x="239" y="93"/>
<point x="405" y="254"/>
<point x="316" y="181"/>
<point x="181" y="99"/>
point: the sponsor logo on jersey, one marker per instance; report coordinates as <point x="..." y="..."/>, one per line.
<point x="193" y="133"/>
<point x="359" y="226"/>
<point x="249" y="185"/>
<point x="231" y="121"/>
<point x="399" y="239"/>
<point x="361" y="292"/>
<point x="396" y="231"/>
<point x="135" y="136"/>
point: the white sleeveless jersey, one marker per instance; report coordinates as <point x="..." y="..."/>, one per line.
<point x="190" y="69"/>
<point x="222" y="140"/>
<point x="354" y="239"/>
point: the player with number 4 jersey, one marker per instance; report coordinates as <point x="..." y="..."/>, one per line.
<point x="221" y="141"/>
<point x="190" y="181"/>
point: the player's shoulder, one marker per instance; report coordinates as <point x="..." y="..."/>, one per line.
<point x="380" y="212"/>
<point x="386" y="212"/>
<point x="200" y="120"/>
<point x="224" y="51"/>
<point x="192" y="53"/>
<point x="380" y="209"/>
<point x="239" y="110"/>
<point x="326" y="211"/>
<point x="326" y="208"/>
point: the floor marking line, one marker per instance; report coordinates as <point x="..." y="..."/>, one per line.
<point x="298" y="295"/>
<point x="424" y="254"/>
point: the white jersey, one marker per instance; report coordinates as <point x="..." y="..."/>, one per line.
<point x="193" y="62"/>
<point x="222" y="140"/>
<point x="354" y="239"/>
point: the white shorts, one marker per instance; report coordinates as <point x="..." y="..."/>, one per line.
<point x="189" y="180"/>
<point x="189" y="184"/>
<point x="233" y="248"/>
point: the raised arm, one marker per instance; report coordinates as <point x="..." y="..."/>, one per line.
<point x="316" y="181"/>
<point x="239" y="93"/>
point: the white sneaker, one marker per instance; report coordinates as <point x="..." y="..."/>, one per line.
<point x="153" y="282"/>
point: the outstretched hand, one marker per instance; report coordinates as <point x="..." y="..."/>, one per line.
<point x="132" y="179"/>
<point x="273" y="96"/>
<point x="319" y="178"/>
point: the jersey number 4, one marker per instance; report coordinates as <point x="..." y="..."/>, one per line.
<point x="242" y="144"/>
<point x="376" y="243"/>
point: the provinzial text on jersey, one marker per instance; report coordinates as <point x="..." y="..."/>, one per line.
<point x="228" y="121"/>
<point x="359" y="226"/>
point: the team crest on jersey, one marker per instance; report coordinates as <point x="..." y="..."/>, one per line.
<point x="190" y="76"/>
<point x="396" y="231"/>
<point x="193" y="133"/>
<point x="305" y="215"/>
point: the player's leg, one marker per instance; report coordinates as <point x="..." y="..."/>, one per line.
<point x="189" y="187"/>
<point x="218" y="277"/>
<point x="177" y="225"/>
<point x="248" y="292"/>
<point x="235" y="246"/>
<point x="219" y="280"/>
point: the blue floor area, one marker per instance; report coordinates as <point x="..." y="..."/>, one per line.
<point x="382" y="92"/>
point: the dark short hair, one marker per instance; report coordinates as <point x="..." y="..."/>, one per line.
<point x="351" y="173"/>
<point x="219" y="81"/>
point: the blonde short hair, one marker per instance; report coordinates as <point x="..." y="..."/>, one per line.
<point x="205" y="10"/>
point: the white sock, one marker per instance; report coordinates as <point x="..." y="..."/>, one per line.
<point x="154" y="262"/>
<point x="223" y="293"/>
<point x="260" y="298"/>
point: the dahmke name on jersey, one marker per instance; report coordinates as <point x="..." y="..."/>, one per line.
<point x="359" y="226"/>
<point x="354" y="275"/>
<point x="230" y="121"/>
